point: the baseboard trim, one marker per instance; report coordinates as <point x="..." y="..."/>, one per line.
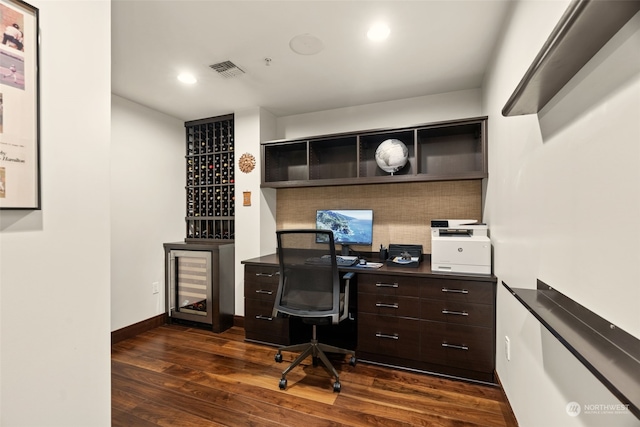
<point x="238" y="321"/>
<point x="510" y="416"/>
<point x="138" y="328"/>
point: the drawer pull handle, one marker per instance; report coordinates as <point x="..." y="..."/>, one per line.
<point x="457" y="347"/>
<point x="260" y="317"/>
<point x="381" y="304"/>
<point x="457" y="313"/>
<point x="391" y="337"/>
<point x="455" y="291"/>
<point x="263" y="291"/>
<point x="386" y="285"/>
<point x="267" y="274"/>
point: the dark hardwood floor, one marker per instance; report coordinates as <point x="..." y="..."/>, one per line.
<point x="174" y="375"/>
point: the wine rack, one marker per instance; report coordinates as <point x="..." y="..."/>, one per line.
<point x="210" y="179"/>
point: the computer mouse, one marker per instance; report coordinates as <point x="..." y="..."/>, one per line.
<point x="362" y="261"/>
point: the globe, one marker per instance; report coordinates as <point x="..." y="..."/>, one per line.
<point x="392" y="155"/>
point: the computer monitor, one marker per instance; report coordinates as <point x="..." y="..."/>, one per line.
<point x="349" y="226"/>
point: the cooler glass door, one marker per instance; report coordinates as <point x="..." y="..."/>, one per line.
<point x="190" y="289"/>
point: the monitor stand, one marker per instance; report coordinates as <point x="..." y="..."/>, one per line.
<point x="346" y="250"/>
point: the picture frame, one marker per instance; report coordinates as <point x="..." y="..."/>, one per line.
<point x="19" y="106"/>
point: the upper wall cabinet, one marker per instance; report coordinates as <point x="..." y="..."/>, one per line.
<point x="434" y="152"/>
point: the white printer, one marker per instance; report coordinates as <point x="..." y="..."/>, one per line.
<point x="460" y="246"/>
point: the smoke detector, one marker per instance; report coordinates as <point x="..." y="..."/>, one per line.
<point x="306" y="44"/>
<point x="227" y="69"/>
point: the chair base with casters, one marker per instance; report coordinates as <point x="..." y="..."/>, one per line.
<point x="317" y="351"/>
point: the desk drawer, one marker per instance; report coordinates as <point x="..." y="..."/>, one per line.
<point x="457" y="312"/>
<point x="389" y="305"/>
<point x="459" y="346"/>
<point x="389" y="285"/>
<point x="466" y="291"/>
<point x="388" y="335"/>
<point x="261" y="282"/>
<point x="258" y="319"/>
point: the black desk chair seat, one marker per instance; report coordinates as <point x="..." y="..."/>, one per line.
<point x="311" y="291"/>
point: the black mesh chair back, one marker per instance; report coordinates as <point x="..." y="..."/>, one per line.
<point x="309" y="280"/>
<point x="310" y="288"/>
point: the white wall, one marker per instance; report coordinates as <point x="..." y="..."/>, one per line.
<point x="147" y="206"/>
<point x="404" y="112"/>
<point x="557" y="183"/>
<point x="54" y="263"/>
<point x="251" y="127"/>
<point x="268" y="196"/>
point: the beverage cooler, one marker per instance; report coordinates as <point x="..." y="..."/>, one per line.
<point x="200" y="283"/>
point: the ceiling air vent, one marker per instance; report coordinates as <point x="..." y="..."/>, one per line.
<point x="227" y="69"/>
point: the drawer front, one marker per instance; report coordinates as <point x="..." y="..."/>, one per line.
<point x="457" y="312"/>
<point x="258" y="318"/>
<point x="389" y="305"/>
<point x="459" y="346"/>
<point x="261" y="282"/>
<point x="261" y="273"/>
<point x="466" y="291"/>
<point x="389" y="285"/>
<point x="387" y="335"/>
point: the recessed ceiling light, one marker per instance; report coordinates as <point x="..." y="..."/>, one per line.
<point x="187" y="78"/>
<point x="378" y="32"/>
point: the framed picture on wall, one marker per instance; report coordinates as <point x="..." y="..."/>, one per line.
<point x="19" y="106"/>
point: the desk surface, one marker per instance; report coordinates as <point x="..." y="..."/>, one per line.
<point x="423" y="270"/>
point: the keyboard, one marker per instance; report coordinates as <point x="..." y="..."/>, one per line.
<point x="342" y="261"/>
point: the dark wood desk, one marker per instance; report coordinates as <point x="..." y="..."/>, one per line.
<point x="403" y="317"/>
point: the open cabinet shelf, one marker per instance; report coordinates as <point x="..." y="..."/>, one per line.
<point x="436" y="152"/>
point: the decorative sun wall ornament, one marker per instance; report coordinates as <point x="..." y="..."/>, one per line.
<point x="247" y="162"/>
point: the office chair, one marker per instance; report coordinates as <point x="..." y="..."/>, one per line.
<point x="309" y="288"/>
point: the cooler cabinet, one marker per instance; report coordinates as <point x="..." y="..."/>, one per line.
<point x="200" y="283"/>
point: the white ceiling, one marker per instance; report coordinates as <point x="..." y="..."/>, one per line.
<point x="434" y="47"/>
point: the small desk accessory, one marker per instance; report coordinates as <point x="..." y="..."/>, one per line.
<point x="404" y="255"/>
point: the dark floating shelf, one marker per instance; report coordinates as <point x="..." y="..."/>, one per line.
<point x="585" y="27"/>
<point x="610" y="353"/>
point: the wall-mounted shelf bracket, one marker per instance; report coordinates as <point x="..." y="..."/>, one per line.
<point x="611" y="354"/>
<point x="585" y="27"/>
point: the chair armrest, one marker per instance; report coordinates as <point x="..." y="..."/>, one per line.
<point x="347" y="276"/>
